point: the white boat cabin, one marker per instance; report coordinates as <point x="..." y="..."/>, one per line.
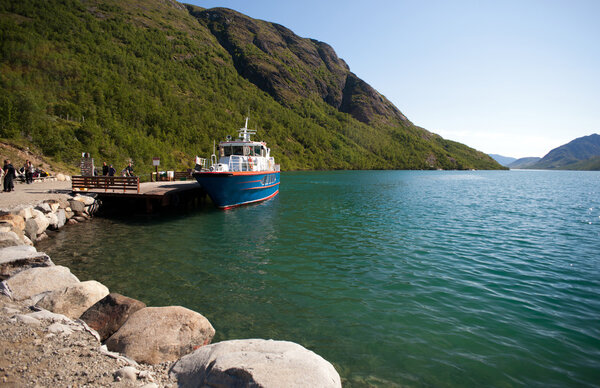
<point x="243" y="154"/>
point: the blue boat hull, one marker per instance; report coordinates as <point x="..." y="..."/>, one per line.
<point x="230" y="189"/>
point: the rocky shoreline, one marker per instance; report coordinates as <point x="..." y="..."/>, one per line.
<point x="58" y="330"/>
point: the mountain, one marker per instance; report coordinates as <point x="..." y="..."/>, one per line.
<point x="577" y="154"/>
<point x="503" y="160"/>
<point x="144" y="78"/>
<point x="524" y="163"/>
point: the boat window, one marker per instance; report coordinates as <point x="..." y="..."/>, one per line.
<point x="256" y="150"/>
<point x="246" y="150"/>
<point x="238" y="150"/>
<point x="225" y="150"/>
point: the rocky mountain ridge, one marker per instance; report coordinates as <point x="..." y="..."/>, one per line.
<point x="149" y="78"/>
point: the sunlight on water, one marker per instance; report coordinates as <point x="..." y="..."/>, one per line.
<point x="397" y="278"/>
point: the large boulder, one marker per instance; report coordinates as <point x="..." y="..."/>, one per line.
<point x="77" y="206"/>
<point x="86" y="199"/>
<point x="255" y="363"/>
<point x="17" y="221"/>
<point x="25" y="211"/>
<point x="53" y="204"/>
<point x="36" y="225"/>
<point x="73" y="300"/>
<point x="110" y="313"/>
<point x="34" y="281"/>
<point x="19" y="258"/>
<point x="52" y="220"/>
<point x="157" y="334"/>
<point x="61" y="218"/>
<point x="9" y="239"/>
<point x="44" y="207"/>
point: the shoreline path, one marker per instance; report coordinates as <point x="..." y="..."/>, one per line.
<point x="31" y="194"/>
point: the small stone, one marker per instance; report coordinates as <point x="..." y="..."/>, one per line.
<point x="126" y="373"/>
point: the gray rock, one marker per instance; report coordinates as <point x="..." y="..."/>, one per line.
<point x="110" y="313"/>
<point x="41" y="220"/>
<point x="41" y="236"/>
<point x="9" y="311"/>
<point x="8" y="252"/>
<point x="73" y="300"/>
<point x="31" y="229"/>
<point x="27" y="241"/>
<point x="34" y="281"/>
<point x="157" y="334"/>
<point x="126" y="373"/>
<point x="36" y="225"/>
<point x="19" y="258"/>
<point x="77" y="206"/>
<point x="53" y="204"/>
<point x="86" y="199"/>
<point x="60" y="328"/>
<point x="45" y="315"/>
<point x="24" y="211"/>
<point x="9" y="239"/>
<point x="61" y="218"/>
<point x="52" y="221"/>
<point x="255" y="363"/>
<point x="17" y="221"/>
<point x="26" y="319"/>
<point x="44" y="208"/>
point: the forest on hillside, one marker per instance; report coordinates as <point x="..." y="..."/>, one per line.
<point x="142" y="79"/>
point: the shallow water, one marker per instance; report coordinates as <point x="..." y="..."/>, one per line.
<point x="401" y="278"/>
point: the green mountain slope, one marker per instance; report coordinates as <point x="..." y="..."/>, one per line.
<point x="571" y="155"/>
<point x="148" y="78"/>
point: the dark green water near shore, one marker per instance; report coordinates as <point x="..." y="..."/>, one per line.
<point x="407" y="278"/>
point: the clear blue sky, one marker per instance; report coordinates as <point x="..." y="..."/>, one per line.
<point x="515" y="78"/>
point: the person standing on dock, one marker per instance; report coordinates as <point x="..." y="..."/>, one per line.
<point x="128" y="170"/>
<point x="9" y="175"/>
<point x="104" y="169"/>
<point x="111" y="171"/>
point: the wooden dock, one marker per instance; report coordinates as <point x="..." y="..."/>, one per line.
<point x="151" y="196"/>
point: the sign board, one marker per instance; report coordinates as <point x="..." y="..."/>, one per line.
<point x="156" y="161"/>
<point x="87" y="165"/>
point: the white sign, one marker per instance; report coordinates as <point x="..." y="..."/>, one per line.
<point x="156" y="161"/>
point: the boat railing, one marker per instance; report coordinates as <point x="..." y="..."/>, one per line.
<point x="239" y="163"/>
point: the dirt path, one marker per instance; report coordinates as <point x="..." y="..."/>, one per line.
<point x="36" y="192"/>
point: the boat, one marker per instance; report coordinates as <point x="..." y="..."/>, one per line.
<point x="244" y="173"/>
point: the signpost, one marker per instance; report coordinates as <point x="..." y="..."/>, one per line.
<point x="156" y="163"/>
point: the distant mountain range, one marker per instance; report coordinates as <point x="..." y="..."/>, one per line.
<point x="503" y="160"/>
<point x="582" y="153"/>
<point x="524" y="162"/>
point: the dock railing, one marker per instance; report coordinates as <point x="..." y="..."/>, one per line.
<point x="125" y="183"/>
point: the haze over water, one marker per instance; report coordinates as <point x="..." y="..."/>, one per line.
<point x="414" y="278"/>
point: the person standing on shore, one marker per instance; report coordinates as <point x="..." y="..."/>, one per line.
<point x="9" y="175"/>
<point x="104" y="169"/>
<point x="111" y="171"/>
<point x="28" y="172"/>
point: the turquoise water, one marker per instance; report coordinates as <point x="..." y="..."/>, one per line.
<point x="399" y="278"/>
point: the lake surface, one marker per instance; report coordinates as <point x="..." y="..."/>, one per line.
<point x="398" y="278"/>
